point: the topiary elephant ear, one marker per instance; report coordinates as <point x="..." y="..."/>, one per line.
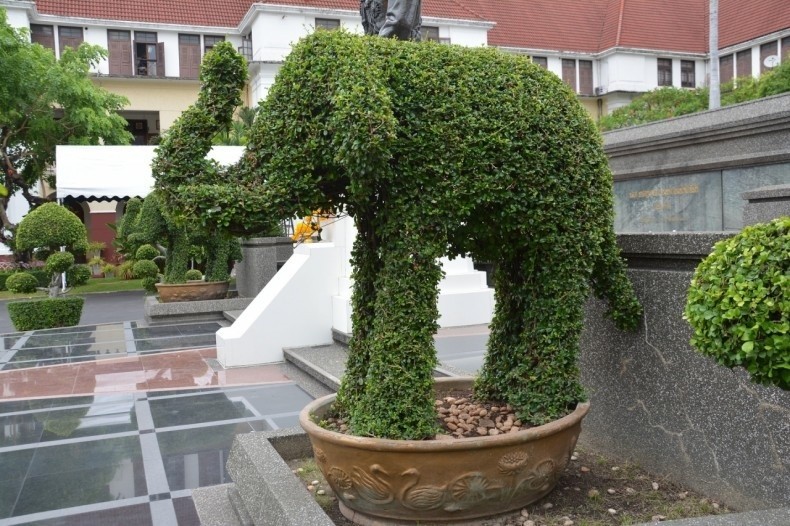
<point x="51" y="226"/>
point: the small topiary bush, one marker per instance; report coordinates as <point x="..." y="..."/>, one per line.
<point x="42" y="277"/>
<point x="194" y="274"/>
<point x="739" y="303"/>
<point x="149" y="284"/>
<point x="147" y="252"/>
<point x="59" y="262"/>
<point x="21" y="282"/>
<point x="78" y="275"/>
<point x="145" y="268"/>
<point x="46" y="313"/>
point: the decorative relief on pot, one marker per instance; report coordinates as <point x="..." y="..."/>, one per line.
<point x="513" y="463"/>
<point x="372" y="486"/>
<point x="417" y="497"/>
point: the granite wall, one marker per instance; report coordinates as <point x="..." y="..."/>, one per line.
<point x="261" y="258"/>
<point x="688" y="173"/>
<point x="656" y="400"/>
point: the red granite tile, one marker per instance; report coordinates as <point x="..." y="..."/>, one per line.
<point x="252" y="375"/>
<point x="38" y="382"/>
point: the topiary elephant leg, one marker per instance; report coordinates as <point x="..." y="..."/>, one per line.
<point x="217" y="252"/>
<point x="366" y="265"/>
<point x="398" y="398"/>
<point x="532" y="363"/>
<point x="177" y="258"/>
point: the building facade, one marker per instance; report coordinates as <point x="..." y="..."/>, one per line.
<point x="608" y="51"/>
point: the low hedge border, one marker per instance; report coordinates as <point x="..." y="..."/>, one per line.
<point x="45" y="314"/>
<point x="41" y="276"/>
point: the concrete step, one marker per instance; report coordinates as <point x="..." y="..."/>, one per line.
<point x="324" y="363"/>
<point x="231" y="315"/>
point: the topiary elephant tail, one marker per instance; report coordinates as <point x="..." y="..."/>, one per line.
<point x="609" y="281"/>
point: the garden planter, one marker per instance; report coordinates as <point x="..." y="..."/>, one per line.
<point x="440" y="480"/>
<point x="192" y="291"/>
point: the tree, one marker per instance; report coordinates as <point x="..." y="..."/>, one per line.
<point x="45" y="102"/>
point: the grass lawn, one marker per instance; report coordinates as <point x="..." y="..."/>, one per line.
<point x="93" y="285"/>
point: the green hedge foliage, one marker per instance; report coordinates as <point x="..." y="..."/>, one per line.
<point x="51" y="226"/>
<point x="59" y="262"/>
<point x="78" y="275"/>
<point x="145" y="268"/>
<point x="739" y="303"/>
<point x="194" y="274"/>
<point x="46" y="313"/>
<point x="434" y="150"/>
<point x="21" y="282"/>
<point x="147" y="251"/>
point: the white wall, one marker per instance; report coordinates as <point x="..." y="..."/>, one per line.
<point x="17" y="17"/>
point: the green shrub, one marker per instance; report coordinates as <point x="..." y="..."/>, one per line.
<point x="125" y="270"/>
<point x="46" y="313"/>
<point x="51" y="226"/>
<point x="21" y="282"/>
<point x="78" y="275"/>
<point x="194" y="274"/>
<point x="3" y="277"/>
<point x="42" y="277"/>
<point x="147" y="252"/>
<point x="145" y="268"/>
<point x="149" y="284"/>
<point x="739" y="303"/>
<point x="59" y="262"/>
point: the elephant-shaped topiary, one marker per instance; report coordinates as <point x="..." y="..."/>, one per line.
<point x="434" y="151"/>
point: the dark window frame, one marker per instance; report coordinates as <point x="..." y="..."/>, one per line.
<point x="664" y="69"/>
<point x="688" y="75"/>
<point x="189" y="55"/>
<point x="586" y="77"/>
<point x="329" y="24"/>
<point x="569" y="73"/>
<point x="430" y="33"/>
<point x="43" y="35"/>
<point x="72" y="40"/>
<point x="209" y="41"/>
<point x="120" y="57"/>
<point x="146" y="46"/>
<point x="541" y="61"/>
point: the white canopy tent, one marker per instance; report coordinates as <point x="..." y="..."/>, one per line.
<point x="110" y="173"/>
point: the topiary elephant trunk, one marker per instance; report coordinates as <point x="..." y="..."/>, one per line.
<point x="434" y="151"/>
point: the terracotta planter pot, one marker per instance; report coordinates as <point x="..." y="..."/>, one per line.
<point x="381" y="481"/>
<point x="192" y="291"/>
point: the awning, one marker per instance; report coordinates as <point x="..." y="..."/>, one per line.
<point x="109" y="173"/>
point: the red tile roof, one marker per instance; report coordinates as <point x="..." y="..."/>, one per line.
<point x="565" y="25"/>
<point x="742" y="20"/>
<point x="219" y="13"/>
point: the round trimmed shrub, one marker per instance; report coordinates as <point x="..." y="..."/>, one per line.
<point x="78" y="275"/>
<point x="51" y="226"/>
<point x="21" y="282"/>
<point x="193" y="274"/>
<point x="145" y="268"/>
<point x="59" y="262"/>
<point x="147" y="252"/>
<point x="46" y="313"/>
<point x="739" y="303"/>
<point x="149" y="284"/>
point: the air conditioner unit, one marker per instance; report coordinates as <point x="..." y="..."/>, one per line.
<point x="600" y="90"/>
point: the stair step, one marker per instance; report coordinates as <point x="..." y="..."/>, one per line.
<point x="325" y="363"/>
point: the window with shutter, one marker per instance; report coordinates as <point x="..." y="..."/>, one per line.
<point x="586" y="77"/>
<point x="766" y="50"/>
<point x="569" y="72"/>
<point x="785" y="48"/>
<point x="541" y="61"/>
<point x="189" y="56"/>
<point x="743" y="63"/>
<point x="43" y="35"/>
<point x="209" y="41"/>
<point x="687" y="74"/>
<point x="148" y="55"/>
<point x="665" y="72"/>
<point x="120" y="52"/>
<point x="69" y="37"/>
<point x="430" y="33"/>
<point x="725" y="69"/>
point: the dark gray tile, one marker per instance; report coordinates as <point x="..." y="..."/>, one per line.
<point x="186" y="514"/>
<point x="13" y="467"/>
<point x="196" y="457"/>
<point x="273" y="399"/>
<point x="65" y="489"/>
<point x="286" y="421"/>
<point x="460" y="344"/>
<point x="134" y="515"/>
<point x="185" y="410"/>
<point x="177" y="392"/>
<point x="23" y="428"/>
<point x="199" y="328"/>
<point x="97" y="454"/>
<point x="94" y="420"/>
<point x="15" y="406"/>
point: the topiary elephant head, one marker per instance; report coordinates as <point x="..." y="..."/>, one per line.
<point x="434" y="151"/>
